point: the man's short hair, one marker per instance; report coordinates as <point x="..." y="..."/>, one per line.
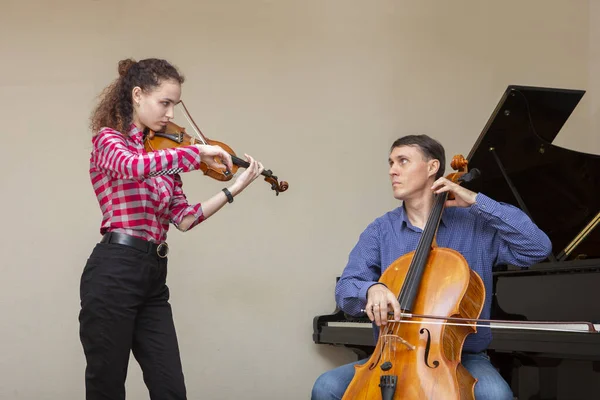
<point x="431" y="149"/>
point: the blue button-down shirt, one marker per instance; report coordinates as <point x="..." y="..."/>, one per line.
<point x="487" y="234"/>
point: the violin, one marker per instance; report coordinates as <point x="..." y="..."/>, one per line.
<point x="175" y="136"/>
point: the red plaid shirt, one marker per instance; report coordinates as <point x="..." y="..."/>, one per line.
<point x="140" y="193"/>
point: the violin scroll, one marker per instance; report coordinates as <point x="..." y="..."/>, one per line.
<point x="275" y="184"/>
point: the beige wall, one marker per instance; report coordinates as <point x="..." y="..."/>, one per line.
<point x="315" y="89"/>
<point x="594" y="76"/>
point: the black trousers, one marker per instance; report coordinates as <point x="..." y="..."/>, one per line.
<point x="125" y="308"/>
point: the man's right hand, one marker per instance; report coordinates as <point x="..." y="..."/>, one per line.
<point x="380" y="300"/>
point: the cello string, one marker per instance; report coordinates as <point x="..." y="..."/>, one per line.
<point x="422" y="252"/>
<point x="386" y="342"/>
<point x="420" y="257"/>
<point x="387" y="349"/>
<point x="382" y="338"/>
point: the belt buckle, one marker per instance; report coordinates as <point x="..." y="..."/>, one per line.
<point x="159" y="250"/>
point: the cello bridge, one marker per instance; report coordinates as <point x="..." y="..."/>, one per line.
<point x="393" y="339"/>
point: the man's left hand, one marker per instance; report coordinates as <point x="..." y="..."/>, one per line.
<point x="463" y="197"/>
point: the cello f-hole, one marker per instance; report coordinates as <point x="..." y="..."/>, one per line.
<point x="427" y="348"/>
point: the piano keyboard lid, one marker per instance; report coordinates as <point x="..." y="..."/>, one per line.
<point x="519" y="165"/>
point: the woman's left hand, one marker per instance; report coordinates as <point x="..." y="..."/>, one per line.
<point x="248" y="176"/>
<point x="463" y="197"/>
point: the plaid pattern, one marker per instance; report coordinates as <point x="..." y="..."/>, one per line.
<point x="140" y="193"/>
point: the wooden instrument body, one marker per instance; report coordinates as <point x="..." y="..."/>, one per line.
<point x="431" y="370"/>
<point x="176" y="136"/>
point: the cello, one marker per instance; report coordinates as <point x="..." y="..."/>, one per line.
<point x="175" y="136"/>
<point x="414" y="359"/>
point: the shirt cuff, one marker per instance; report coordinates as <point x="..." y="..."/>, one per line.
<point x="484" y="205"/>
<point x="197" y="212"/>
<point x="196" y="151"/>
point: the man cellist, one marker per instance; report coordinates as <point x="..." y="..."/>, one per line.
<point x="484" y="231"/>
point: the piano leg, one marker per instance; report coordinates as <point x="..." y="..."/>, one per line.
<point x="508" y="367"/>
<point x="548" y="382"/>
<point x="547" y="369"/>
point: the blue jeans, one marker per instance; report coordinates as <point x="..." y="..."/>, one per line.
<point x="490" y="386"/>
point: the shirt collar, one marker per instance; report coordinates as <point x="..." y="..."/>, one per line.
<point x="404" y="221"/>
<point x="135" y="133"/>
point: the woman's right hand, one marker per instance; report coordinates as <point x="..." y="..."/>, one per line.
<point x="209" y="154"/>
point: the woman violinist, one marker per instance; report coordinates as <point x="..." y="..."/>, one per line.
<point x="485" y="232"/>
<point x="124" y="297"/>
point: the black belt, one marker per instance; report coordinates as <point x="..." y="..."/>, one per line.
<point x="160" y="250"/>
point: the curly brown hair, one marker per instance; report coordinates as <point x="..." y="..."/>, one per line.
<point x="115" y="108"/>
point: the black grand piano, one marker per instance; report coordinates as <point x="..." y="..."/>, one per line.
<point x="560" y="190"/>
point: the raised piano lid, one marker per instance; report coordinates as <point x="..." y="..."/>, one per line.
<point x="559" y="187"/>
